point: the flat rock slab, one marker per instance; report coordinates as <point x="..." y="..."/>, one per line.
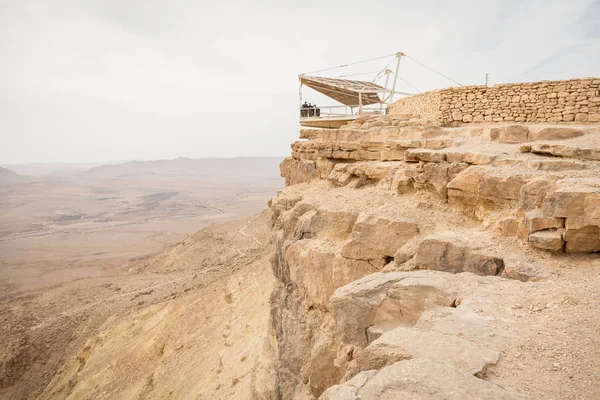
<point x="418" y="378"/>
<point x="391" y="299"/>
<point x="449" y="252"/>
<point x="438" y="347"/>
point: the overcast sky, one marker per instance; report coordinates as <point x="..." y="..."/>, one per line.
<point x="104" y="80"/>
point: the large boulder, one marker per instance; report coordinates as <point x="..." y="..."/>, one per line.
<point x="455" y="252"/>
<point x="376" y="237"/>
<point x="578" y="201"/>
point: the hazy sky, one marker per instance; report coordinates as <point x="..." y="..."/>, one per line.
<point x="101" y="80"/>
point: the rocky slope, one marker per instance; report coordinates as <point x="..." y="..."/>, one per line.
<point x="420" y="261"/>
<point x="188" y="322"/>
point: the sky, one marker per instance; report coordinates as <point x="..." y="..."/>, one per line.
<point x="105" y="80"/>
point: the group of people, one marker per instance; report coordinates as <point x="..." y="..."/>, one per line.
<point x="309" y="110"/>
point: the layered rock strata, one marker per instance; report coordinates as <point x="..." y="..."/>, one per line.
<point x="391" y="229"/>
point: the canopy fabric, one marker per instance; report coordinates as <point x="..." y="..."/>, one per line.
<point x="345" y="91"/>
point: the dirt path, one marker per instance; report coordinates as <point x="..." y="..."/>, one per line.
<point x="241" y="231"/>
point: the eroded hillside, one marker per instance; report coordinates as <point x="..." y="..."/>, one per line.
<point x="186" y="323"/>
<point x="420" y="261"/>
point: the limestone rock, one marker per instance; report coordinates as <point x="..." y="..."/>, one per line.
<point x="534" y="193"/>
<point x="348" y="391"/>
<point x="425" y="155"/>
<point x="339" y="176"/>
<point x="298" y="171"/>
<point x="582" y="235"/>
<point x="449" y="252"/>
<point x="326" y="224"/>
<point x="485" y="183"/>
<point x="325" y="166"/>
<point x="535" y="221"/>
<point x="417" y="379"/>
<point x="374" y="357"/>
<point x="510" y="134"/>
<point x="469" y="157"/>
<point x="547" y="240"/>
<point x="523" y="270"/>
<point x="555" y="133"/>
<point x="462" y="321"/>
<point x="315" y="267"/>
<point x="376" y="238"/>
<point x="574" y="198"/>
<point x="567" y="151"/>
<point x="511" y="226"/>
<point x="387" y="300"/>
<point x="405" y="343"/>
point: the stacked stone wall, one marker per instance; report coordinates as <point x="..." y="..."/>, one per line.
<point x="426" y="105"/>
<point x="547" y="101"/>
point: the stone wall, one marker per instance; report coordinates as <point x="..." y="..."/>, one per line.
<point x="547" y="101"/>
<point x="426" y="105"/>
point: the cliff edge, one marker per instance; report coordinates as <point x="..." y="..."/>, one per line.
<point x="418" y="260"/>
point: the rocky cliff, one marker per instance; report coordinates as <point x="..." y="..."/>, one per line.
<point x="419" y="261"/>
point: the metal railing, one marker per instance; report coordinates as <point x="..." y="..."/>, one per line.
<point x="337" y="111"/>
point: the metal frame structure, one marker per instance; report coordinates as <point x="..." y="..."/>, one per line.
<point x="351" y="94"/>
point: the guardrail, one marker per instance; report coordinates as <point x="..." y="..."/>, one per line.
<point x="336" y="111"/>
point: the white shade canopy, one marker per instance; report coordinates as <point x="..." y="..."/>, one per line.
<point x="345" y="91"/>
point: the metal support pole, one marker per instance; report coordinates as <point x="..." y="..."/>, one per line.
<point x="300" y="95"/>
<point x="486" y="78"/>
<point x="387" y="78"/>
<point x="360" y="108"/>
<point x="399" y="55"/>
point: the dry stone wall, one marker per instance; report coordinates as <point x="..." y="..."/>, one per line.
<point x="425" y="105"/>
<point x="547" y="101"/>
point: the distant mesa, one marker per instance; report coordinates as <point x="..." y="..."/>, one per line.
<point x="8" y="176"/>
